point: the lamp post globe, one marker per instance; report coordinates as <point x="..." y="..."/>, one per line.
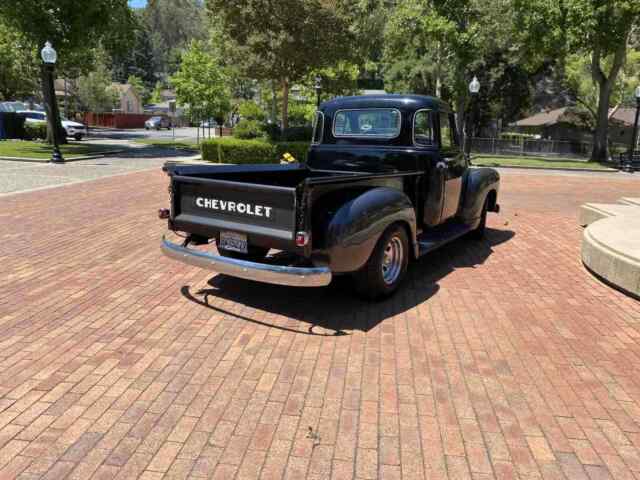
<point x="318" y="87"/>
<point x="49" y="58"/>
<point x="48" y="54"/>
<point x="474" y="86"/>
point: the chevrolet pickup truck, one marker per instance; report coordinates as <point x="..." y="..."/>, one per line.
<point x="385" y="182"/>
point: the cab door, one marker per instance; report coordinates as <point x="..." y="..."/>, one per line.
<point x="451" y="165"/>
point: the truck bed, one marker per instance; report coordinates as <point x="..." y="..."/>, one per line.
<point x="262" y="202"/>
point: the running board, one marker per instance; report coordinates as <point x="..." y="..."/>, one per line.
<point x="439" y="236"/>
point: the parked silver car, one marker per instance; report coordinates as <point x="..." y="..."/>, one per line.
<point x="157" y="123"/>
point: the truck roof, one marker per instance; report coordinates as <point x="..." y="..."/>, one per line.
<point x="400" y="101"/>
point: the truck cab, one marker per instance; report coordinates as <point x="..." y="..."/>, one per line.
<point x="385" y="182"/>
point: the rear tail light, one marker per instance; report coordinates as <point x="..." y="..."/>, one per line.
<point x="163" y="213"/>
<point x="302" y="239"/>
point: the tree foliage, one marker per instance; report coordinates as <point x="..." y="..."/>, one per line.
<point x="137" y="59"/>
<point x="202" y="83"/>
<point x="18" y="65"/>
<point x="173" y="24"/>
<point x="95" y="92"/>
<point x="75" y="31"/>
<point x="282" y="40"/>
<point x="599" y="30"/>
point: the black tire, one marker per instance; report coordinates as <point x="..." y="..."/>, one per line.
<point x="78" y="137"/>
<point x="479" y="232"/>
<point x="375" y="280"/>
<point x="255" y="253"/>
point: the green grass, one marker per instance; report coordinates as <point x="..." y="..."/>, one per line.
<point x="536" y="162"/>
<point x="187" y="144"/>
<point x="42" y="151"/>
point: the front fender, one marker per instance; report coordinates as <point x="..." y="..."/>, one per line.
<point x="479" y="183"/>
<point x="355" y="228"/>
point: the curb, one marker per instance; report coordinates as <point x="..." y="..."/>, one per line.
<point x="67" y="160"/>
<point x="562" y="169"/>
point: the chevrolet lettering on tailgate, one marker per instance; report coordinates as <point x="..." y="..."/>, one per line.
<point x="234" y="207"/>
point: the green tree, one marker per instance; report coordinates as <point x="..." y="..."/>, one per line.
<point x="601" y="30"/>
<point x="202" y="83"/>
<point x="138" y="59"/>
<point x="18" y="68"/>
<point x="139" y="87"/>
<point x="282" y="40"/>
<point x="73" y="31"/>
<point x="173" y="25"/>
<point x="95" y="92"/>
<point x="156" y="95"/>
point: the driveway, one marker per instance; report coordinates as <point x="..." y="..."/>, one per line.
<point x="497" y="359"/>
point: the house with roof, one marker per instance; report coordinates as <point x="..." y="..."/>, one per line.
<point x="129" y="101"/>
<point x="571" y="124"/>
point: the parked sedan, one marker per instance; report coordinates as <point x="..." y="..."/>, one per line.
<point x="157" y="123"/>
<point x="74" y="129"/>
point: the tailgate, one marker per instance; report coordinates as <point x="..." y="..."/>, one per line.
<point x="206" y="206"/>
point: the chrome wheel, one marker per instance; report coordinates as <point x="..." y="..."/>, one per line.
<point x="392" y="260"/>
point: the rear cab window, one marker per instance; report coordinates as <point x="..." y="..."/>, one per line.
<point x="367" y="123"/>
<point x="448" y="134"/>
<point x="318" y="128"/>
<point x="423" y="128"/>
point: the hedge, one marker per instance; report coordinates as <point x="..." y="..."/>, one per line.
<point x="233" y="150"/>
<point x="35" y="131"/>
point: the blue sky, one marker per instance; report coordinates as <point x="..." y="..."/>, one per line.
<point x="137" y="3"/>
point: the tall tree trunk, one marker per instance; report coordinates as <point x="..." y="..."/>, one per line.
<point x="274" y="102"/>
<point x="600" y="152"/>
<point x="285" y="104"/>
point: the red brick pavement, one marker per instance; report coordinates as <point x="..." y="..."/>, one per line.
<point x="500" y="359"/>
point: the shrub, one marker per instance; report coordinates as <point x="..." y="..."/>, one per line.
<point x="250" y="110"/>
<point x="297" y="149"/>
<point x="232" y="150"/>
<point x="248" y="129"/>
<point x="35" y="131"/>
<point x="237" y="151"/>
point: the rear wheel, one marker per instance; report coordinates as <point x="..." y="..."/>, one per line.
<point x="384" y="271"/>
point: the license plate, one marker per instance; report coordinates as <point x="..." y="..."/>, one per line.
<point x="236" y="242"/>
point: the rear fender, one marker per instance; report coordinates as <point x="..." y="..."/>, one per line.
<point x="354" y="230"/>
<point x="480" y="182"/>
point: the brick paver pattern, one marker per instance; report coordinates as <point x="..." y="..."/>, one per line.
<point x="497" y="359"/>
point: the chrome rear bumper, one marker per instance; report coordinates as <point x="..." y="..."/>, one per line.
<point x="259" y="272"/>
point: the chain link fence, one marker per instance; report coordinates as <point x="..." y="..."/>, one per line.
<point x="537" y="147"/>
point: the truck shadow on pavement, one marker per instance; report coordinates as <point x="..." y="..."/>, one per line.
<point x="335" y="309"/>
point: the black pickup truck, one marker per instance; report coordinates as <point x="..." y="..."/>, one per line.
<point x="385" y="181"/>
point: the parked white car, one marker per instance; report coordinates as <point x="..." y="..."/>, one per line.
<point x="74" y="129"/>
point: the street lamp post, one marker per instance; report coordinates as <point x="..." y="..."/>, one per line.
<point x="318" y="87"/>
<point x="49" y="58"/>
<point x="634" y="135"/>
<point x="474" y="88"/>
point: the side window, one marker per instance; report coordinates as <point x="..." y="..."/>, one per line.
<point x="454" y="130"/>
<point x="318" y="128"/>
<point x="422" y="128"/>
<point x="446" y="134"/>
